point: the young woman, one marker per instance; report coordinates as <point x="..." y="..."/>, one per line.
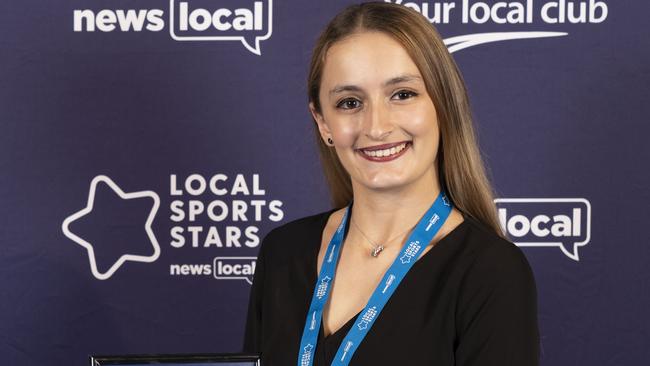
<point x="411" y="267"/>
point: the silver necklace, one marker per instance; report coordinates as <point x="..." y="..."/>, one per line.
<point x="377" y="248"/>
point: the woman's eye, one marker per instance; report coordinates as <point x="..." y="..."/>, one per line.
<point x="348" y="104"/>
<point x="405" y="94"/>
<point x="351" y="103"/>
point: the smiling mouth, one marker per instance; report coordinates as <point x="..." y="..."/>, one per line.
<point x="387" y="153"/>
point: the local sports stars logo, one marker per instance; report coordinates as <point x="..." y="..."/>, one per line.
<point x="410" y="252"/>
<point x="305" y="359"/>
<point x="322" y="287"/>
<point x="367" y="317"/>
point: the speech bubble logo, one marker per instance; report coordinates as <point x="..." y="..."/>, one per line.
<point x="547" y="222"/>
<point x="249" y="25"/>
<point x="235" y="268"/>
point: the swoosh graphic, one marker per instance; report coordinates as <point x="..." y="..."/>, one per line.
<point x="461" y="42"/>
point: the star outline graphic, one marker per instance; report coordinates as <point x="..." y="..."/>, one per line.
<point x="89" y="207"/>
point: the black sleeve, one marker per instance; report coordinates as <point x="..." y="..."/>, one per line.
<point x="253" y="330"/>
<point x="496" y="313"/>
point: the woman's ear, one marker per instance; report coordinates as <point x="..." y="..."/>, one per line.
<point x="323" y="128"/>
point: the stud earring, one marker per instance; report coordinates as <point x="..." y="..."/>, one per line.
<point x="330" y="141"/>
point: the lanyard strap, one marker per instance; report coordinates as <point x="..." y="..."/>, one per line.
<point x="424" y="231"/>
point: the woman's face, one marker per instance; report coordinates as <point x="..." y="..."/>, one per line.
<point x="372" y="94"/>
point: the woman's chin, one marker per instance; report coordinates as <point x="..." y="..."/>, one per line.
<point x="384" y="185"/>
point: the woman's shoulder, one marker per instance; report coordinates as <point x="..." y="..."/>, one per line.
<point x="488" y="255"/>
<point x="496" y="301"/>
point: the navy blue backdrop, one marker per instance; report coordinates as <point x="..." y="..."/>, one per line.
<point x="146" y="149"/>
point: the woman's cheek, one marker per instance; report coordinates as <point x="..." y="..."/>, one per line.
<point x="345" y="133"/>
<point x="420" y="128"/>
<point x="422" y="121"/>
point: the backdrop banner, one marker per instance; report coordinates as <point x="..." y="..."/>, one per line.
<point x="147" y="147"/>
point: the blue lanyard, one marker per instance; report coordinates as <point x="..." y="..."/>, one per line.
<point x="421" y="236"/>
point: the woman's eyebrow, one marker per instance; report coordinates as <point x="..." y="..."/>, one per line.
<point x="392" y="81"/>
<point x="402" y="79"/>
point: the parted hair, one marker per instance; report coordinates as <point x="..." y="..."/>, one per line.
<point x="462" y="173"/>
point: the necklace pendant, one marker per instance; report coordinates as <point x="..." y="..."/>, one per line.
<point x="377" y="250"/>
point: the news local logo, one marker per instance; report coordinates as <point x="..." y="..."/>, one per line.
<point x="248" y="22"/>
<point x="563" y="223"/>
<point x="222" y="268"/>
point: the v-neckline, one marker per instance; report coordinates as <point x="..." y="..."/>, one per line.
<point x="314" y="272"/>
<point x="341" y="328"/>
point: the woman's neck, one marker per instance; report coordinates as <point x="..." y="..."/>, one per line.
<point x="382" y="214"/>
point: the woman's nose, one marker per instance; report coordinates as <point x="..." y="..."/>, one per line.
<point x="377" y="122"/>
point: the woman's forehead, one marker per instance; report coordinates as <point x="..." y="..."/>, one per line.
<point x="370" y="58"/>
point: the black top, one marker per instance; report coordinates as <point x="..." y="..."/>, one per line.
<point x="471" y="300"/>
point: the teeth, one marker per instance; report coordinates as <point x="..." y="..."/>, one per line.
<point x="386" y="152"/>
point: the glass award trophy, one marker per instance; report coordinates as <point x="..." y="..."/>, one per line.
<point x="221" y="359"/>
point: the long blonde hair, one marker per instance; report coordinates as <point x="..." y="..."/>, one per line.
<point x="461" y="171"/>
